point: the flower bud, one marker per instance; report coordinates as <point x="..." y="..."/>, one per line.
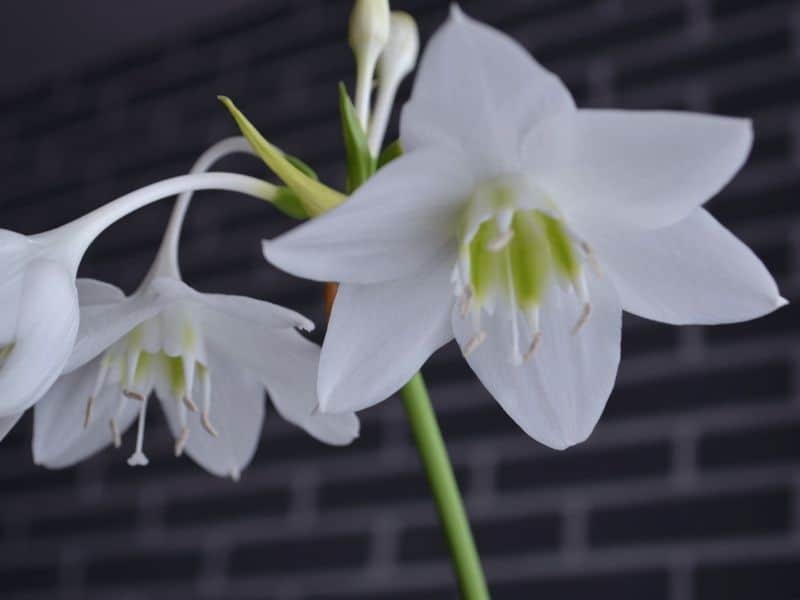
<point x="369" y="34"/>
<point x="397" y="60"/>
<point x="369" y="26"/>
<point x="400" y="54"/>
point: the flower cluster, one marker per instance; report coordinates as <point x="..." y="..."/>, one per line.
<point x="504" y="217"/>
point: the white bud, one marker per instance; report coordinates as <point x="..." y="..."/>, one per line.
<point x="369" y="25"/>
<point x="369" y="34"/>
<point x="398" y="60"/>
<point x="400" y="54"/>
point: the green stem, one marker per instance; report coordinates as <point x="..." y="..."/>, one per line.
<point x="432" y="451"/>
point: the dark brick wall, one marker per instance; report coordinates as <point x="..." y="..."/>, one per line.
<point x="688" y="490"/>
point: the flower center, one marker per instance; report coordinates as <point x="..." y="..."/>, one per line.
<point x="156" y="356"/>
<point x="513" y="245"/>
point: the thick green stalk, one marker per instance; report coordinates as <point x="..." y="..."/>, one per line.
<point x="433" y="453"/>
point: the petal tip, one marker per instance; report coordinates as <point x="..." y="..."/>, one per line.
<point x="781" y="302"/>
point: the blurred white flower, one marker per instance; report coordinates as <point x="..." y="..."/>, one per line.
<point x="524" y="226"/>
<point x="208" y="357"/>
<point x="38" y="299"/>
<point x="369" y="33"/>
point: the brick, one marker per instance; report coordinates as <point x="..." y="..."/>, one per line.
<point x="300" y="555"/>
<point x="91" y="521"/>
<point x="139" y="568"/>
<point x="778" y="443"/>
<point x="28" y="579"/>
<point x="774" y="578"/>
<point x="651" y="584"/>
<point x="759" y="384"/>
<point x="494" y="537"/>
<point x="243" y="503"/>
<point x="582" y="466"/>
<point x="722" y="516"/>
<point x="382" y="490"/>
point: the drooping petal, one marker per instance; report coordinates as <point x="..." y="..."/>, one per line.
<point x="392" y="226"/>
<point x="59" y="436"/>
<point x="381" y="334"/>
<point x="558" y="394"/>
<point x="7" y="424"/>
<point x="237" y="415"/>
<point x="289" y="373"/>
<point x="647" y="169"/>
<point x="692" y="272"/>
<point x="47" y="323"/>
<point x="477" y="88"/>
<point x="104" y="322"/>
<point x="258" y="312"/>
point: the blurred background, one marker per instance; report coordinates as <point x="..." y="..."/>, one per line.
<point x="688" y="490"/>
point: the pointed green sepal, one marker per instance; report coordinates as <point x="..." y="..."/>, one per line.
<point x="360" y="164"/>
<point x="392" y="151"/>
<point x="315" y="197"/>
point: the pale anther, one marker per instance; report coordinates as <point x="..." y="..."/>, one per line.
<point x="587" y="310"/>
<point x="474" y="343"/>
<point x="88" y="417"/>
<point x="190" y="404"/>
<point x="180" y="443"/>
<point x="206" y="420"/>
<point x="533" y="346"/>
<point x="115" y="436"/>
<point x="133" y="395"/>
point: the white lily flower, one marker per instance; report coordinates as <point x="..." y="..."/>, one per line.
<point x="208" y="357"/>
<point x="524" y="226"/>
<point x="38" y="298"/>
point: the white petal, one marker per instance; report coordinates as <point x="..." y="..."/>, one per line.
<point x="381" y="334"/>
<point x="693" y="272"/>
<point x="290" y="376"/>
<point x="92" y="291"/>
<point x="7" y="424"/>
<point x="237" y="414"/>
<point x="644" y="168"/>
<point x="103" y="323"/>
<point x="392" y="226"/>
<point x="477" y="88"/>
<point x="258" y="312"/>
<point x="59" y="437"/>
<point x="47" y="323"/>
<point x="559" y="393"/>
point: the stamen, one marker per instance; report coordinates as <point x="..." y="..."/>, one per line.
<point x="189" y="403"/>
<point x="138" y="458"/>
<point x="89" y="406"/>
<point x="516" y="357"/>
<point x="180" y="443"/>
<point x="474" y="343"/>
<point x="501" y="241"/>
<point x="208" y="426"/>
<point x="205" y="380"/>
<point x="466" y="301"/>
<point x="115" y="433"/>
<point x="585" y="313"/>
<point x="537" y="337"/>
<point x="133" y="395"/>
<point x="100" y="380"/>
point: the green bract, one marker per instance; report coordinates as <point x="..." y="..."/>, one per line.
<point x="315" y="197"/>
<point x="360" y="163"/>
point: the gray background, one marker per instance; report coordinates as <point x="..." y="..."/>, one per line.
<point x="688" y="490"/>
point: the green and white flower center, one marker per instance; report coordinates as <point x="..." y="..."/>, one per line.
<point x="513" y="245"/>
<point x="166" y="354"/>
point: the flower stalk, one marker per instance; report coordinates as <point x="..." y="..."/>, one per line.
<point x="433" y="453"/>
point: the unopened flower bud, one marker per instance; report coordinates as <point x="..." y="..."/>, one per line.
<point x="369" y="34"/>
<point x="397" y="61"/>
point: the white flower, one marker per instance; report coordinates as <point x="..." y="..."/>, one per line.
<point x="523" y="226"/>
<point x="208" y="357"/>
<point x="38" y="299"/>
